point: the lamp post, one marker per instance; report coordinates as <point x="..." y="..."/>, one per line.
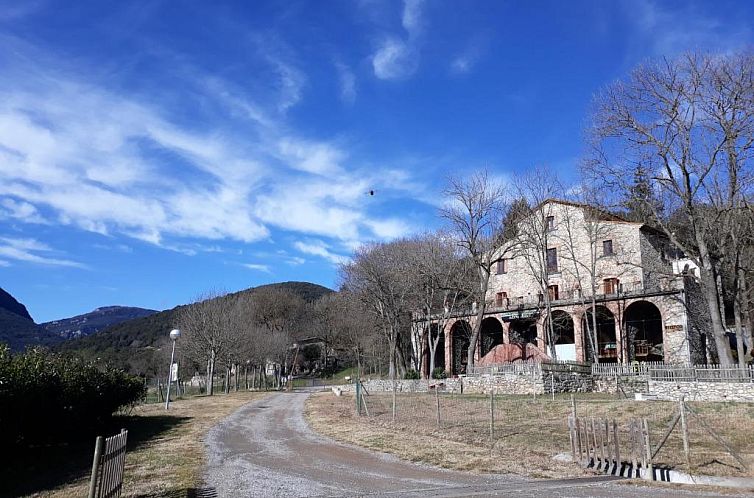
<point x="174" y="335"/>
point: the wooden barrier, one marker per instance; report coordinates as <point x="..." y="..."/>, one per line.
<point x="596" y="443"/>
<point x="107" y="468"/>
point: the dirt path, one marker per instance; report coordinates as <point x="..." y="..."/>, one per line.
<point x="267" y="449"/>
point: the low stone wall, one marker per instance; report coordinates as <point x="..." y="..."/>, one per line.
<point x="508" y="383"/>
<point x="629" y="384"/>
<point x="703" y="391"/>
<point x="406" y="386"/>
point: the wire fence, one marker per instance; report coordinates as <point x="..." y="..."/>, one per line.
<point x="539" y="424"/>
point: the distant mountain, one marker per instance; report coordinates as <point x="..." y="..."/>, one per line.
<point x="135" y="345"/>
<point x="9" y="303"/>
<point x="99" y="319"/>
<point x="17" y="329"/>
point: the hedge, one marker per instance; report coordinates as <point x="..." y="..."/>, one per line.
<point x="46" y="396"/>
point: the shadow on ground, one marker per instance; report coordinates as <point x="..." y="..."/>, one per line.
<point x="28" y="470"/>
<point x="185" y="493"/>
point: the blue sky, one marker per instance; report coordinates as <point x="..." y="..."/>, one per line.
<point x="150" y="151"/>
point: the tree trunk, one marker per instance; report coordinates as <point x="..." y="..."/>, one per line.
<point x="477" y="329"/>
<point x="709" y="288"/>
<point x="211" y="375"/>
<point x="743" y="293"/>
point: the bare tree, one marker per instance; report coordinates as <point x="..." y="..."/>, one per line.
<point x="475" y="210"/>
<point x="445" y="280"/>
<point x="533" y="240"/>
<point x="688" y="122"/>
<point x="377" y="276"/>
<point x="582" y="229"/>
<point x="208" y="331"/>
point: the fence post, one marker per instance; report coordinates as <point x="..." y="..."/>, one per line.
<point x="634" y="450"/>
<point x="99" y="443"/>
<point x="648" y="449"/>
<point x="393" y="397"/>
<point x="437" y="400"/>
<point x="358" y="397"/>
<point x="684" y="432"/>
<point x="492" y="414"/>
<point x="616" y="449"/>
<point x="552" y="385"/>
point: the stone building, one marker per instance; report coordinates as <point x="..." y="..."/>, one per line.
<point x="565" y="257"/>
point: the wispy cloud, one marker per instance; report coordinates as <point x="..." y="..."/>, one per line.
<point x="79" y="153"/>
<point x="397" y="56"/>
<point x="470" y="56"/>
<point x="346" y="82"/>
<point x="257" y="267"/>
<point x="321" y="249"/>
<point x="32" y="251"/>
<point x="669" y="32"/>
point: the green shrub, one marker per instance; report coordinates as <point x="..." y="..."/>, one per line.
<point x="411" y="375"/>
<point x="47" y="396"/>
<point x="439" y="373"/>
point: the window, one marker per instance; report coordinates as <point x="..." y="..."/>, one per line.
<point x="552" y="292"/>
<point x="501" y="299"/>
<point x="610" y="285"/>
<point x="550" y="220"/>
<point x="607" y="248"/>
<point x="502" y="266"/>
<point x="552" y="260"/>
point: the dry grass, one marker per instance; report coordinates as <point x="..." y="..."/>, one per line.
<point x="169" y="463"/>
<point x="527" y="433"/>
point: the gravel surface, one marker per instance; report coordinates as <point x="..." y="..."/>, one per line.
<point x="266" y="449"/>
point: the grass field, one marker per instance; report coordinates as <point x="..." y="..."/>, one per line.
<point x="527" y="433"/>
<point x="165" y="452"/>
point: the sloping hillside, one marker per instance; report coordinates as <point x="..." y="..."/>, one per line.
<point x="17" y="329"/>
<point x="93" y="322"/>
<point x="135" y="344"/>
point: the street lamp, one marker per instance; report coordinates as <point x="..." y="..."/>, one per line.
<point x="174" y="335"/>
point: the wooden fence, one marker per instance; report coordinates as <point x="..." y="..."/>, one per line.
<point x="107" y="468"/>
<point x="627" y="451"/>
<point x="597" y="443"/>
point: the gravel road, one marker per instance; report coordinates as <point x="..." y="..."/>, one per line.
<point x="266" y="449"/>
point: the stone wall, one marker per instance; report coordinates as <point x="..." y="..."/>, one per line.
<point x="703" y="391"/>
<point x="406" y="386"/>
<point x="629" y="384"/>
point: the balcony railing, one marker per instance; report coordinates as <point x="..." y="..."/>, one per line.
<point x="622" y="289"/>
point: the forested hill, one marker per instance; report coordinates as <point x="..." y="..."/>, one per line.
<point x="134" y="345"/>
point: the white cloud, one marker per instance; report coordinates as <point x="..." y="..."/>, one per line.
<point x="257" y="267"/>
<point x="347" y="82"/>
<point x="397" y="57"/>
<point x="319" y="248"/>
<point x="27" y="250"/>
<point x="22" y="211"/>
<point x="76" y="153"/>
<point x="670" y="32"/>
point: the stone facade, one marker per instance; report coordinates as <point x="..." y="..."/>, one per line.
<point x="643" y="307"/>
<point x="703" y="391"/>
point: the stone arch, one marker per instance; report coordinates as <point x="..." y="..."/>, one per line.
<point x="607" y="344"/>
<point x="523" y="331"/>
<point x="460" y="337"/>
<point x="562" y="325"/>
<point x="643" y="325"/>
<point x="491" y="335"/>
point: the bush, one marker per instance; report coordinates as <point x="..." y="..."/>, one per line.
<point x="439" y="373"/>
<point x="48" y="396"/>
<point x="411" y="375"/>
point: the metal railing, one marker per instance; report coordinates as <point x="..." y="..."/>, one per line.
<point x="526" y="368"/>
<point x="701" y="373"/>
<point x="622" y="369"/>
